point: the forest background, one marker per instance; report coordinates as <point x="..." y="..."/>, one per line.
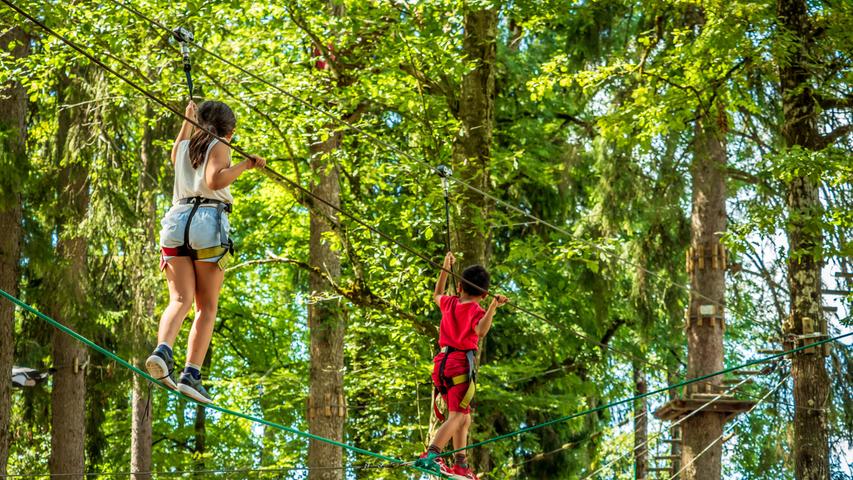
<point x="582" y="116"/>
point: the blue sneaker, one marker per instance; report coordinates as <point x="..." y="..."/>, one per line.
<point x="160" y="365"/>
<point x="192" y="387"/>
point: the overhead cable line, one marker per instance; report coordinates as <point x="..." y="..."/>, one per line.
<point x="395" y="149"/>
<point x="290" y="184"/>
<point x="281" y="179"/>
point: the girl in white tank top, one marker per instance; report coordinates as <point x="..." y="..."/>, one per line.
<point x="193" y="240"/>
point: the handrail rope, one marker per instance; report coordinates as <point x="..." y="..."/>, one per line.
<point x="393" y="148"/>
<point x="681" y="420"/>
<point x="636" y="417"/>
<point x="648" y="394"/>
<point x="721" y="437"/>
<point x="540" y="455"/>
<point x="281" y="179"/>
<point x="290" y="184"/>
<point x="251" y="418"/>
<point x="166" y="473"/>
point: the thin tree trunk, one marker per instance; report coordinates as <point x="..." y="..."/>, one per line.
<point x="13" y="112"/>
<point x="473" y="146"/>
<point x="472" y="153"/>
<point x="811" y="380"/>
<point x="140" y="433"/>
<point x="707" y="277"/>
<point x="326" y="321"/>
<point x="200" y="426"/>
<point x="641" y="423"/>
<point x="70" y="279"/>
<point x="144" y="298"/>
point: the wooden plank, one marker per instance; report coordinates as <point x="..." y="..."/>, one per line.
<point x="679" y="407"/>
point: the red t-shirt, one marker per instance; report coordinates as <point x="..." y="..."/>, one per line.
<point x="457" y="323"/>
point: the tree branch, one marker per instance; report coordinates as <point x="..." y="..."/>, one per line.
<point x="831" y="137"/>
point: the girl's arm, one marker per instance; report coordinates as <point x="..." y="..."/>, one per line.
<point x="219" y="173"/>
<point x="485" y="323"/>
<point x="186" y="129"/>
<point x="449" y="260"/>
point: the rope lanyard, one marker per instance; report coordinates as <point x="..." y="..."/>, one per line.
<point x="445" y="172"/>
<point x="185" y="38"/>
<point x="124" y="363"/>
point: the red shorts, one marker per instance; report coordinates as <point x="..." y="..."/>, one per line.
<point x="457" y="364"/>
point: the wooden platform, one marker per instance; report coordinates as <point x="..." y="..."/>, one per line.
<point x="679" y="407"/>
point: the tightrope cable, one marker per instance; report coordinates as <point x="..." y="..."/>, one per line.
<point x="721" y="437"/>
<point x="674" y="424"/>
<point x="649" y="394"/>
<point x="251" y="418"/>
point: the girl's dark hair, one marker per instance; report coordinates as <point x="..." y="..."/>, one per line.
<point x="475" y="280"/>
<point x="215" y="117"/>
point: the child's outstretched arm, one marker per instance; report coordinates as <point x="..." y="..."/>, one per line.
<point x="449" y="260"/>
<point x="186" y="129"/>
<point x="485" y="323"/>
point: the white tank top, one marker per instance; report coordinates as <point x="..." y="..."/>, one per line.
<point x="189" y="181"/>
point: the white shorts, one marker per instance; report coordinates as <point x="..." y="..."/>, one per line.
<point x="204" y="229"/>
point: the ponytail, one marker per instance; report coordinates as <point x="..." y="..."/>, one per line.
<point x="199" y="143"/>
<point x="216" y="118"/>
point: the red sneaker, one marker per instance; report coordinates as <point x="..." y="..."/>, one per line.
<point x="461" y="473"/>
<point x="442" y="466"/>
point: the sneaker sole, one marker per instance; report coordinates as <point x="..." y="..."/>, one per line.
<point x="193" y="393"/>
<point x="157" y="368"/>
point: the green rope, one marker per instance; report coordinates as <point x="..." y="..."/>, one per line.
<point x="224" y="410"/>
<point x="644" y="395"/>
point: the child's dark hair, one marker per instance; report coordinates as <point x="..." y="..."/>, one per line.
<point x="215" y="117"/>
<point x="475" y="280"/>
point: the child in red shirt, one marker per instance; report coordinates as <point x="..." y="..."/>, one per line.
<point x="463" y="322"/>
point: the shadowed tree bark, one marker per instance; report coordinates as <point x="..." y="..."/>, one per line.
<point x="14" y="162"/>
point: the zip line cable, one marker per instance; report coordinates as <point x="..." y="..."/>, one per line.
<point x="286" y="181"/>
<point x="290" y="184"/>
<point x="649" y="394"/>
<point x="251" y="418"/>
<point x="723" y="436"/>
<point x="391" y="460"/>
<point x="395" y="149"/>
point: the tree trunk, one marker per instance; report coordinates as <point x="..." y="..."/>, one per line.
<point x="13" y="113"/>
<point x="70" y="279"/>
<point x="472" y="147"/>
<point x="326" y="321"/>
<point x="140" y="433"/>
<point x="472" y="152"/>
<point x="811" y="380"/>
<point x="641" y="423"/>
<point x="144" y="291"/>
<point x="707" y="277"/>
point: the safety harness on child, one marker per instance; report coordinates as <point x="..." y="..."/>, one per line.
<point x="445" y="382"/>
<point x="226" y="245"/>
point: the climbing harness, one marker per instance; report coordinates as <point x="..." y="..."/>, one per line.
<point x="184" y="37"/>
<point x="445" y="383"/>
<point x="226" y="244"/>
